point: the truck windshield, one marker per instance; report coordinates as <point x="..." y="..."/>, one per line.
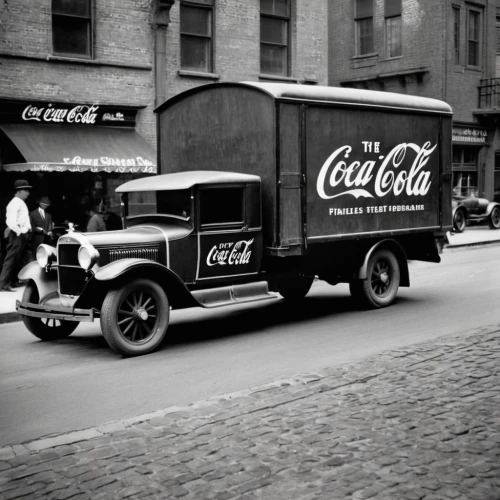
<point x="176" y="203"/>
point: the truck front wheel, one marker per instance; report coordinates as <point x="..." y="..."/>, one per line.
<point x="135" y="317"/>
<point x="381" y="285"/>
<point x="45" y="328"/>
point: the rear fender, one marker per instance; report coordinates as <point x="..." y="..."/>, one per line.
<point x="45" y="281"/>
<point x="125" y="270"/>
<point x="491" y="206"/>
<point x="399" y="253"/>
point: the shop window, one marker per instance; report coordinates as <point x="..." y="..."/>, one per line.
<point x="393" y="28"/>
<point x="473" y="37"/>
<point x="221" y="206"/>
<point x="275" y="37"/>
<point x="496" y="187"/>
<point x="196" y="35"/>
<point x="363" y="22"/>
<point x="465" y="174"/>
<point x="72" y="28"/>
<point x="456" y="34"/>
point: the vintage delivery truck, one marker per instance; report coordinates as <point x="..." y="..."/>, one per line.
<point x="269" y="185"/>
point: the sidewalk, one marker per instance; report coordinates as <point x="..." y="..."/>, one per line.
<point x="472" y="236"/>
<point x="417" y="423"/>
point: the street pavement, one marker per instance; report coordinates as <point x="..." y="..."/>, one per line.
<point x="420" y="422"/>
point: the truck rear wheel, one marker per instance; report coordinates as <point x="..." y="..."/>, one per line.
<point x="135" y="317"/>
<point x="294" y="286"/>
<point x="45" y="328"/>
<point x="381" y="285"/>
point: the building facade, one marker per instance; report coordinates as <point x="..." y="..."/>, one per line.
<point x="79" y="81"/>
<point x="445" y="49"/>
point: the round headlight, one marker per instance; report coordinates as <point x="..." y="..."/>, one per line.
<point x="87" y="257"/>
<point x="45" y="254"/>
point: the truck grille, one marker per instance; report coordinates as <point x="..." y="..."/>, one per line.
<point x="71" y="275"/>
<point x="134" y="253"/>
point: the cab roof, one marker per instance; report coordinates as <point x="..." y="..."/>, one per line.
<point x="185" y="180"/>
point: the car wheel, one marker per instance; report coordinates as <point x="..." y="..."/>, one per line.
<point x="459" y="221"/>
<point x="135" y="317"/>
<point x="381" y="285"/>
<point x="494" y="218"/>
<point x="294" y="286"/>
<point x="45" y="328"/>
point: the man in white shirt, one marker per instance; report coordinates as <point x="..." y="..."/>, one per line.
<point x="19" y="229"/>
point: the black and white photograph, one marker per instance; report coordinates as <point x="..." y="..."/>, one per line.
<point x="250" y="249"/>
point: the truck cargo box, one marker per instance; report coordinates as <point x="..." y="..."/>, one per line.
<point x="335" y="163"/>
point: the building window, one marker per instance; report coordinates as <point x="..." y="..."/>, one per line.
<point x="72" y="27"/>
<point x="456" y="34"/>
<point x="498" y="33"/>
<point x="473" y="37"/>
<point x="196" y="35"/>
<point x="393" y="36"/>
<point x="465" y="175"/>
<point x="363" y="19"/>
<point x="275" y="37"/>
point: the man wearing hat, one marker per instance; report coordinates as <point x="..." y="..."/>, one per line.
<point x="19" y="230"/>
<point x="41" y="224"/>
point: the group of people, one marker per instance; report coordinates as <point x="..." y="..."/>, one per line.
<point x="27" y="230"/>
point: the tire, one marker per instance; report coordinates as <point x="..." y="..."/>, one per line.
<point x="381" y="285"/>
<point x="135" y="317"/>
<point x="494" y="218"/>
<point x="294" y="286"/>
<point x="459" y="221"/>
<point x="45" y="328"/>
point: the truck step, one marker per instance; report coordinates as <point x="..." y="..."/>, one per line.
<point x="235" y="294"/>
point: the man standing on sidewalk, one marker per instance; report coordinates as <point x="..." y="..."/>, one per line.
<point x="19" y="229"/>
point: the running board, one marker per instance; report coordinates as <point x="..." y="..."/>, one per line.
<point x="235" y="294"/>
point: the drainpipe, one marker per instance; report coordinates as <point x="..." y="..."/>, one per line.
<point x="161" y="20"/>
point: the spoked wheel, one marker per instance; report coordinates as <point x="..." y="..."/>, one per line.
<point x="135" y="317"/>
<point x="494" y="218"/>
<point x="381" y="285"/>
<point x="459" y="221"/>
<point x="45" y="328"/>
<point x="294" y="286"/>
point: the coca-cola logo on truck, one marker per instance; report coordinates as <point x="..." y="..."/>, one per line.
<point x="234" y="254"/>
<point x="388" y="174"/>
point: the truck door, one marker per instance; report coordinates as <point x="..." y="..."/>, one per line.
<point x="229" y="231"/>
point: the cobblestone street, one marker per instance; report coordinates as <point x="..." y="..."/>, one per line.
<point x="417" y="423"/>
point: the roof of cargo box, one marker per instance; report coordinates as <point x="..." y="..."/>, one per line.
<point x="184" y="180"/>
<point x="324" y="94"/>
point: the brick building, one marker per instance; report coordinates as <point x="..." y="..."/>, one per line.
<point x="79" y="81"/>
<point x="445" y="49"/>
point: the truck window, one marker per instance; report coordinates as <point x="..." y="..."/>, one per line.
<point x="176" y="203"/>
<point x="221" y="206"/>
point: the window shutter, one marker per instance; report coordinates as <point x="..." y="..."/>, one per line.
<point x="392" y="8"/>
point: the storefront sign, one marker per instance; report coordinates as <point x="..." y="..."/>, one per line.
<point x="55" y="167"/>
<point x="66" y="113"/>
<point x="470" y="135"/>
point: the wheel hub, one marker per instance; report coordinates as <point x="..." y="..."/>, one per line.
<point x="384" y="277"/>
<point x="141" y="313"/>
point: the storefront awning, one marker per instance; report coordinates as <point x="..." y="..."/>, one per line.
<point x="79" y="148"/>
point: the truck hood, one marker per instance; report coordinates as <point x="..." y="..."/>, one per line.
<point x="143" y="234"/>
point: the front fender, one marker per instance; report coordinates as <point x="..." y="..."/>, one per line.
<point x="398" y="251"/>
<point x="119" y="267"/>
<point x="46" y="281"/>
<point x="128" y="269"/>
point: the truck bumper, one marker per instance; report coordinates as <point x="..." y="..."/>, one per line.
<point x="54" y="311"/>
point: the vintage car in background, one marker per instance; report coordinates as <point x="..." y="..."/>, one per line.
<point x="469" y="208"/>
